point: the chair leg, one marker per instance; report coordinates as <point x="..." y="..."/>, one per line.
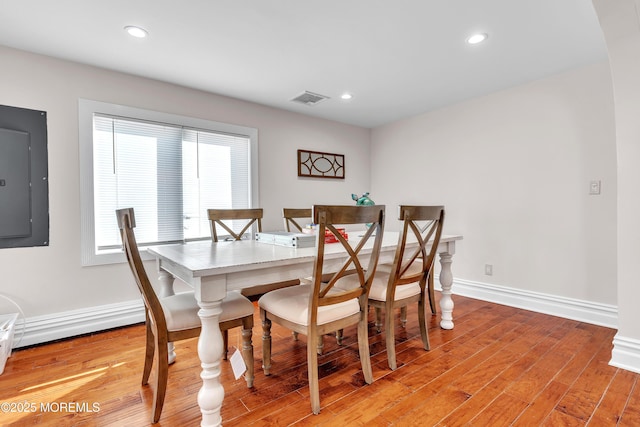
<point x="171" y="351"/>
<point x="339" y="336"/>
<point x="266" y="342"/>
<point x="423" y="324"/>
<point x="247" y="349"/>
<point x="363" y="347"/>
<point x="312" y="367"/>
<point x="378" y="319"/>
<point x="161" y="380"/>
<point x="390" y="338"/>
<point x="432" y="294"/>
<point x="148" y="357"/>
<point x="320" y="346"/>
<point x="225" y="341"/>
<point x="403" y="316"/>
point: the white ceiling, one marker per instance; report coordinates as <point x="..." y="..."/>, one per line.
<point x="398" y="58"/>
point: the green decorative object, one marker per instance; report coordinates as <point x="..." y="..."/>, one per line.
<point x="363" y="200"/>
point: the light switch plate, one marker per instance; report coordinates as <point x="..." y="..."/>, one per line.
<point x="488" y="269"/>
<point x="594" y="187"/>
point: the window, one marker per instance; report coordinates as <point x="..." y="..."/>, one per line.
<point x="169" y="168"/>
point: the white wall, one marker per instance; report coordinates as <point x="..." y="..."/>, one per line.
<point x="48" y="282"/>
<point x="513" y="170"/>
<point x="620" y="23"/>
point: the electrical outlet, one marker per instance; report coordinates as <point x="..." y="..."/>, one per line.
<point x="488" y="269"/>
<point x="594" y="187"/>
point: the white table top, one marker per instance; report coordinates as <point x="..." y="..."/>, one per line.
<point x="208" y="258"/>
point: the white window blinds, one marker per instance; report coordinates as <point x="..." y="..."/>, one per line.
<point x="169" y="174"/>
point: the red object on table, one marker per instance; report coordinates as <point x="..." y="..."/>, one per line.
<point x="329" y="237"/>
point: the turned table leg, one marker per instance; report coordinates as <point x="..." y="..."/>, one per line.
<point x="446" y="280"/>
<point x="210" y="349"/>
<point x="166" y="289"/>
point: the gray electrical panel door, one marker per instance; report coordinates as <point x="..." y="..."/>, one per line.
<point x="15" y="183"/>
<point x="24" y="180"/>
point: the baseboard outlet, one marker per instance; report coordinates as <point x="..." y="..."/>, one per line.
<point x="51" y="327"/>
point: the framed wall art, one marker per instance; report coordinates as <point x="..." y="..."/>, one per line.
<point x="316" y="164"/>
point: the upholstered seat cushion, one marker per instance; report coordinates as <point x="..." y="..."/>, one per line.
<point x="181" y="310"/>
<point x="292" y="304"/>
<point x="235" y="306"/>
<point x="413" y="269"/>
<point x="378" y="289"/>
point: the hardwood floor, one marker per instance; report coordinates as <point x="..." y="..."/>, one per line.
<point x="500" y="366"/>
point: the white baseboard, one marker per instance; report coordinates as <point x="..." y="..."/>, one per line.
<point x="568" y="308"/>
<point x="51" y="327"/>
<point x="40" y="329"/>
<point x="626" y="353"/>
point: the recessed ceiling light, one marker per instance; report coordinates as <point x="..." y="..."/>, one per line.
<point x="477" y="38"/>
<point x="346" y="96"/>
<point x="136" y="31"/>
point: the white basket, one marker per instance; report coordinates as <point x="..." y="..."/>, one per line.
<point x="7" y="328"/>
<point x="286" y="238"/>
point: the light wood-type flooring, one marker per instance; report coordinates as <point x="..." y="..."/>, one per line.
<point x="499" y="366"/>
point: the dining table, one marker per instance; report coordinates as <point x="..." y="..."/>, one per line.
<point x="214" y="268"/>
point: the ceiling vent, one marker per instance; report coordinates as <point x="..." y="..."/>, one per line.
<point x="309" y="98"/>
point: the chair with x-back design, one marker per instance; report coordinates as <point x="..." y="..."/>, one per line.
<point x="290" y="215"/>
<point x="217" y="218"/>
<point x="247" y="218"/>
<point x="175" y="318"/>
<point x="407" y="279"/>
<point x="319" y="307"/>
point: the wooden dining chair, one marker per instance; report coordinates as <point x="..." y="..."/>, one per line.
<point x="316" y="308"/>
<point x="217" y="217"/>
<point x="406" y="279"/>
<point x="175" y="318"/>
<point x="289" y="215"/>
<point x="220" y="217"/>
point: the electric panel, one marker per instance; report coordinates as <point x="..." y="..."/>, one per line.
<point x="15" y="194"/>
<point x="24" y="180"/>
